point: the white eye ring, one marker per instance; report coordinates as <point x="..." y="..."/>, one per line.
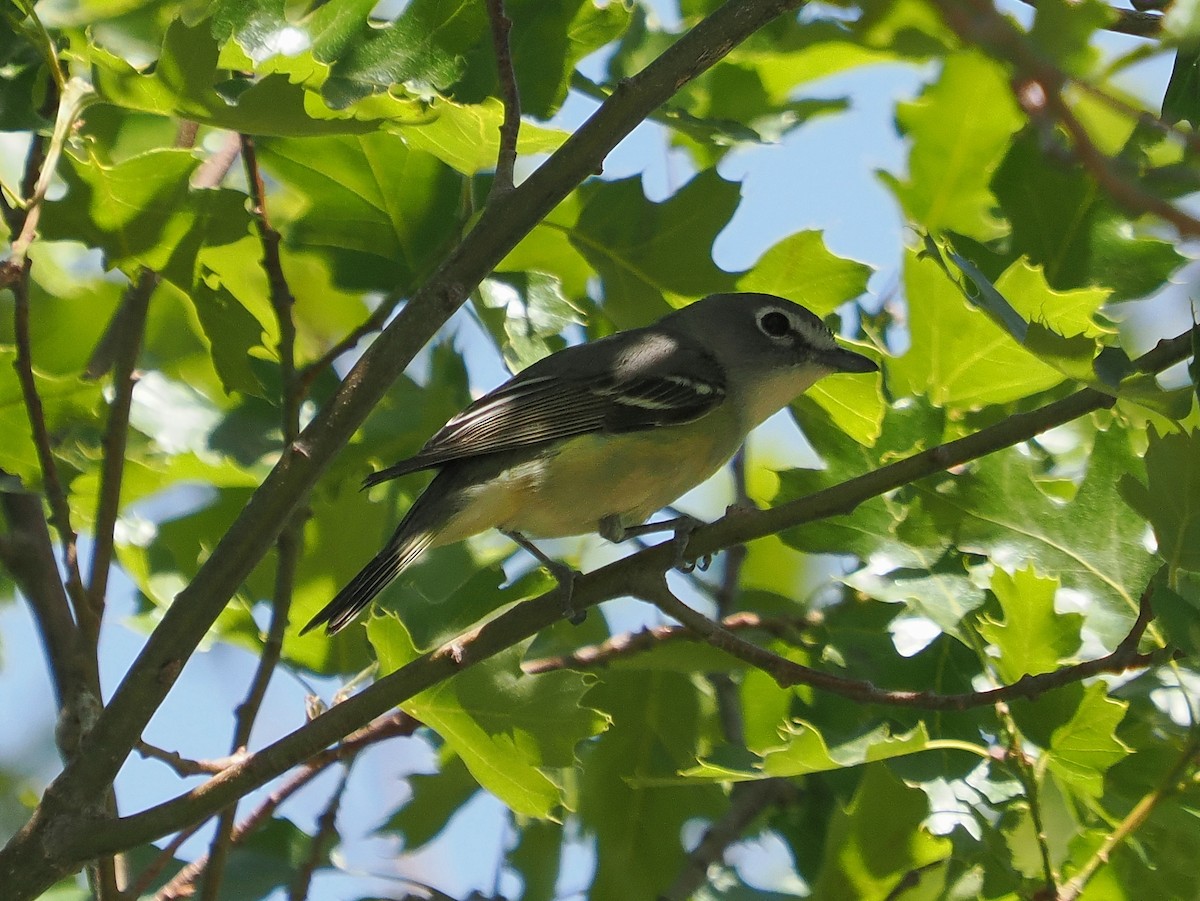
<point x="775" y="324"/>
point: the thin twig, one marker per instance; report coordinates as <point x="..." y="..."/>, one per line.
<point x="289" y="541"/>
<point x="510" y="128"/>
<point x="108" y="505"/>
<point x="1038" y="91"/>
<point x="282" y="300"/>
<point x="632" y="643"/>
<point x="1023" y="768"/>
<point x="166" y="855"/>
<point x="321" y="841"/>
<point x="116" y="436"/>
<point x="185" y="766"/>
<point x="74" y="98"/>
<point x="1133" y="821"/>
<point x="373" y="323"/>
<point x="1136" y="23"/>
<point x="60" y="509"/>
<point x="748" y="801"/>
<point x="653" y="588"/>
<point x="392" y="725"/>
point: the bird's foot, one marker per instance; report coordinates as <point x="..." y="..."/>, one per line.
<point x="683" y="526"/>
<point x="564" y="575"/>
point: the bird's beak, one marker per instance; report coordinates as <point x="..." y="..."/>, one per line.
<point x="841" y="360"/>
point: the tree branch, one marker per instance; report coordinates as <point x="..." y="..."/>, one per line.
<point x="628" y="576"/>
<point x="1039" y="92"/>
<point x="116" y="435"/>
<point x="786" y="673"/>
<point x="30" y="560"/>
<point x="510" y="128"/>
<point x="288" y="544"/>
<point x="630" y="644"/>
<point x="392" y="725"/>
<point x="26" y="866"/>
<point x="56" y="495"/>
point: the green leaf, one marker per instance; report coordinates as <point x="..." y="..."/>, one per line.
<point x="1080" y="239"/>
<point x="1093" y="544"/>
<point x="1177" y="613"/>
<point x="396" y="209"/>
<point x="1032" y="638"/>
<point x="806" y="751"/>
<point x="960" y="128"/>
<point x="505" y="725"/>
<point x="1182" y="22"/>
<point x="526" y="314"/>
<point x="878" y="840"/>
<point x="653" y="257"/>
<point x="1082" y="750"/>
<point x="801" y="268"/>
<point x="958" y="356"/>
<point x="467" y="137"/>
<point x="69" y="404"/>
<point x="68" y="311"/>
<point x="436" y="797"/>
<point x="537" y="859"/>
<point x="187" y="82"/>
<point x="141" y="212"/>
<point x="1064" y="30"/>
<point x="939" y="590"/>
<point x="623" y="801"/>
<point x="23" y="85"/>
<point x="234" y="336"/>
<point x="1170" y="497"/>
<point x="547" y="41"/>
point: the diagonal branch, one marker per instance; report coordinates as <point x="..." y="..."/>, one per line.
<point x="631" y="644"/>
<point x="628" y="576"/>
<point x="787" y="673"/>
<point x="1038" y="90"/>
<point x="499" y="228"/>
<point x="289" y="543"/>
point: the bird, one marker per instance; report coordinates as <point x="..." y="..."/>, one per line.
<point x="597" y="437"/>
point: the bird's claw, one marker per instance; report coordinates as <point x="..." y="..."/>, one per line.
<point x="564" y="575"/>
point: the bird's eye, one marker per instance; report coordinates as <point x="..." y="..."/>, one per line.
<point x="775" y="324"/>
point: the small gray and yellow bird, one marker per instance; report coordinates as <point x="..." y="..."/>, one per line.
<point x="596" y="438"/>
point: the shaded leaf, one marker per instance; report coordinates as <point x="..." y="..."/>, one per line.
<point x="878" y="840"/>
<point x="1170" y="497"/>
<point x="651" y="256"/>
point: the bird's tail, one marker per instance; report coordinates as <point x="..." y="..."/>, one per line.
<point x="401" y="551"/>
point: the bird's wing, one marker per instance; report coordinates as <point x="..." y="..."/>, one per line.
<point x="651" y="380"/>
